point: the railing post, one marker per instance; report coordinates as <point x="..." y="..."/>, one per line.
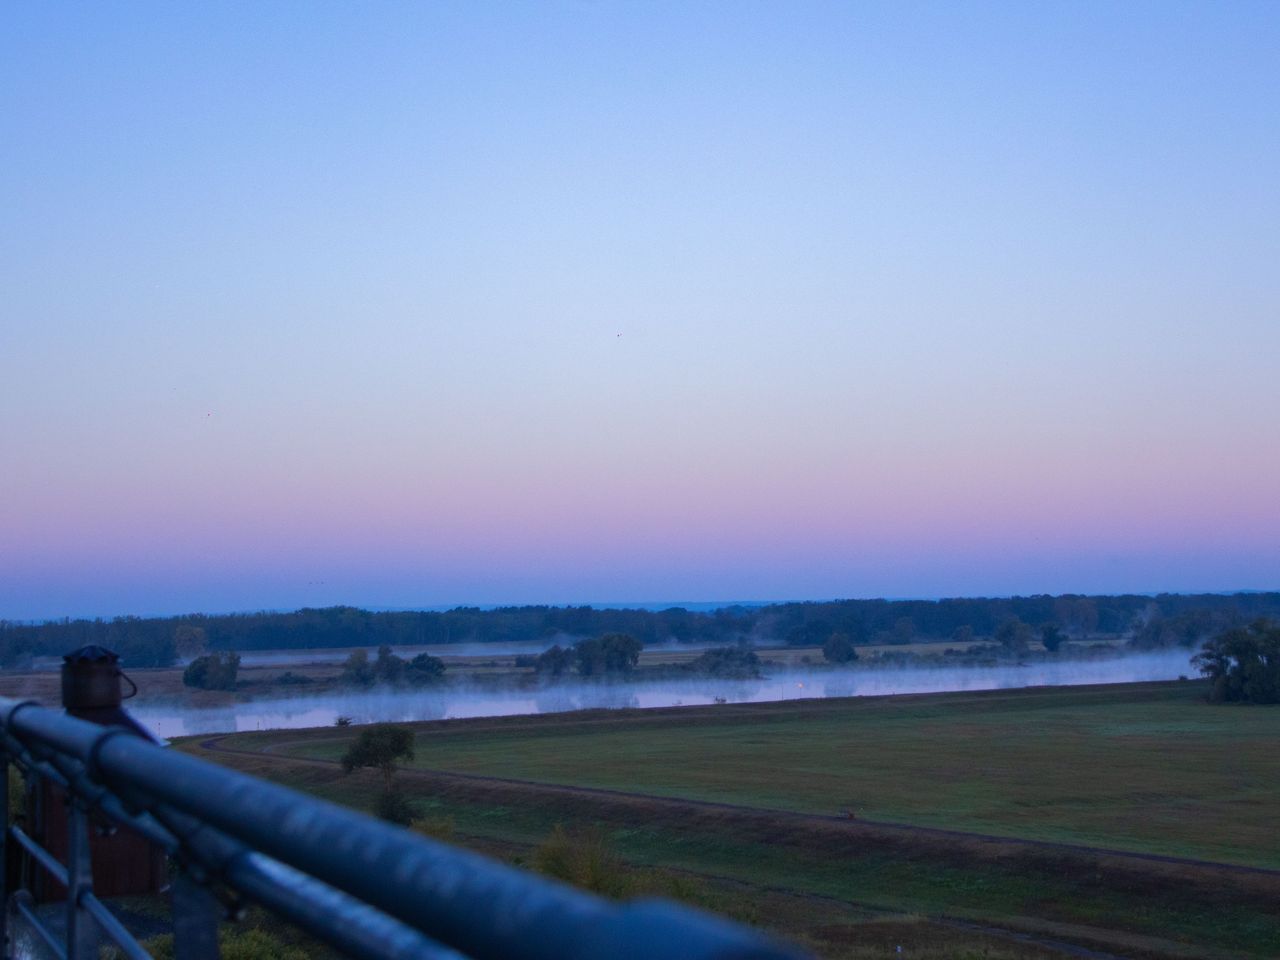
<point x="196" y="913"/>
<point x="82" y="931"/>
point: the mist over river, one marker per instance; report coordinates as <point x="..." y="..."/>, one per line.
<point x="173" y="719"/>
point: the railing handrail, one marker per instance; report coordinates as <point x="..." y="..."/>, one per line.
<point x="396" y="893"/>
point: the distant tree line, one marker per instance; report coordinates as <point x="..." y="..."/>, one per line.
<point x="612" y="653"/>
<point x="1185" y="619"/>
<point x="360" y="671"/>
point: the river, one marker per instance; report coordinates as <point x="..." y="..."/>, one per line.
<point x="174" y="719"/>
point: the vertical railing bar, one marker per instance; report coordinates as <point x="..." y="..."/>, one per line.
<point x="113" y="928"/>
<point x="82" y="932"/>
<point x="21" y="903"/>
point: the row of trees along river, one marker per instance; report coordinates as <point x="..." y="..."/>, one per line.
<point x="1150" y="621"/>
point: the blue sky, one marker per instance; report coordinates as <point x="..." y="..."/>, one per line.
<point x="414" y="304"/>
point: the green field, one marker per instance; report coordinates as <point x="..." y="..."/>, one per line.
<point x="1146" y="767"/>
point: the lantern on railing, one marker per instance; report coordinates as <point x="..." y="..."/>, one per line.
<point x="123" y="862"/>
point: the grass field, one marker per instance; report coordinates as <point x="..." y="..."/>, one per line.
<point x="1145" y="767"/>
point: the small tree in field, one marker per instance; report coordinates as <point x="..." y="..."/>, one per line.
<point x="381" y="746"/>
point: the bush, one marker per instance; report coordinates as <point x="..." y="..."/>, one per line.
<point x="234" y="944"/>
<point x="357" y="670"/>
<point x="585" y="860"/>
<point x="360" y="671"/>
<point x="1014" y="635"/>
<point x="1052" y="637"/>
<point x="839" y="649"/>
<point x="291" y="679"/>
<point x="611" y="653"/>
<point x="214" y="672"/>
<point x="734" y="662"/>
<point x="554" y="662"/>
<point x="388" y="668"/>
<point x="394" y="806"/>
<point x="424" y="669"/>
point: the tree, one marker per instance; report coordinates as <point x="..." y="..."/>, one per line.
<point x="388" y="668"/>
<point x="809" y="634"/>
<point x="217" y="671"/>
<point x="190" y="641"/>
<point x="731" y="662"/>
<point x="1080" y="614"/>
<point x="380" y="745"/>
<point x="839" y="649"/>
<point x="904" y="628"/>
<point x="1051" y="637"/>
<point x="554" y="662"/>
<point x="1190" y="628"/>
<point x="1243" y="663"/>
<point x="424" y="669"/>
<point x="357" y="669"/>
<point x="611" y="653"/>
<point x="1013" y="635"/>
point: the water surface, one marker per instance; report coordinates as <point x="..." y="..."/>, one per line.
<point x="173" y="719"/>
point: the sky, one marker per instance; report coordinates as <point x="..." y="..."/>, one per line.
<point x="406" y="304"/>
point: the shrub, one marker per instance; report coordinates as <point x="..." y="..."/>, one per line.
<point x="394" y="806"/>
<point x="251" y="944"/>
<point x="839" y="649"/>
<point x="611" y="653"/>
<point x="727" y="662"/>
<point x="217" y="671"/>
<point x="357" y="669"/>
<point x="554" y="662"/>
<point x="424" y="669"/>
<point x="585" y="860"/>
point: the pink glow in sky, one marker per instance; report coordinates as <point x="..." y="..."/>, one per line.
<point x="424" y="306"/>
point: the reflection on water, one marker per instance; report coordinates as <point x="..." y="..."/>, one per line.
<point x="174" y="720"/>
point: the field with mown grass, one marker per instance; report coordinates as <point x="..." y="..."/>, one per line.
<point x="1146" y="768"/>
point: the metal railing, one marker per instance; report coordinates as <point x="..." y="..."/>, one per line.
<point x="367" y="888"/>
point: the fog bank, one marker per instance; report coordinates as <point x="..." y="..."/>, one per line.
<point x="170" y="719"/>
